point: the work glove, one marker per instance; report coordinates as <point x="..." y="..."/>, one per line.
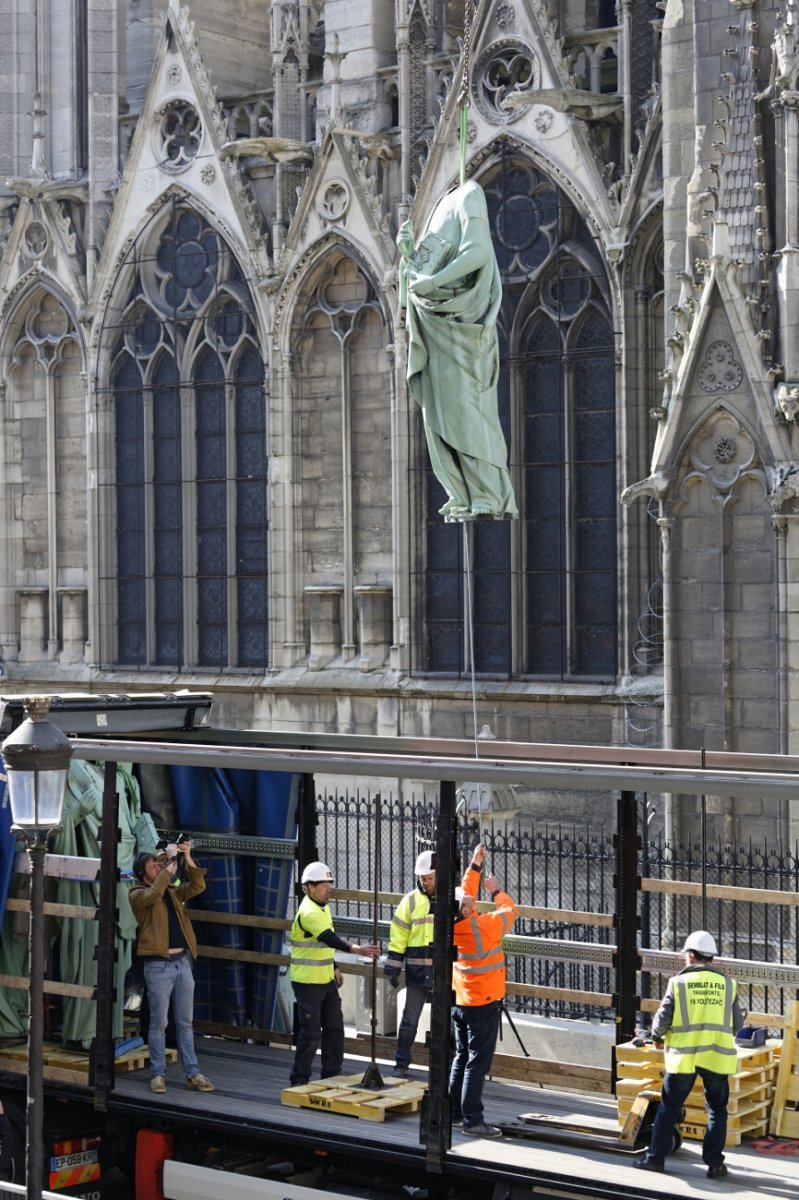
<point x="393" y="978"/>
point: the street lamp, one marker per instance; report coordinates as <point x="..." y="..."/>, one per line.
<point x="37" y="756"/>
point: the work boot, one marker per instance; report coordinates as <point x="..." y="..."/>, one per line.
<point x="717" y="1172"/>
<point x="483" y="1131"/>
<point x="198" y="1083"/>
<point x="401" y="1072"/>
<point x="649" y="1164"/>
<point x="157" y="1084"/>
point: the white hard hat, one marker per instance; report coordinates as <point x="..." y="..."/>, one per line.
<point x="459" y="894"/>
<point x="702" y="942"/>
<point x="317" y="872"/>
<point x="425" y="862"/>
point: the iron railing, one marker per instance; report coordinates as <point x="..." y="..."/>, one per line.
<point x="573" y="868"/>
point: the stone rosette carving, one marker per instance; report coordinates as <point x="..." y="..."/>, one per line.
<point x="722" y="451"/>
<point x="505" y="16"/>
<point x="719" y="371"/>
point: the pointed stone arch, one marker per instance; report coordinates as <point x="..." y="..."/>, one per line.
<point x="44" y="453"/>
<point x="723" y="603"/>
<point x="335" y="331"/>
<point x="543" y="589"/>
<point x="181" y="430"/>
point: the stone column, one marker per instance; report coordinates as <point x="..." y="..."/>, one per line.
<point x="374" y="625"/>
<point x="32" y="623"/>
<point x="73" y="624"/>
<point x="324" y="605"/>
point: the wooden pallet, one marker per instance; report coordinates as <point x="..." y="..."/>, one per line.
<point x="735" y="1136"/>
<point x="751" y="1090"/>
<point x="785" y="1111"/>
<point x="138" y="1059"/>
<point x="343" y="1094"/>
<point x="62" y="1059"/>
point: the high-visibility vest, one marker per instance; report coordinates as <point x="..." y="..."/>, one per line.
<point x="702" y="1033"/>
<point x="410" y="939"/>
<point x="311" y="960"/>
<point x="478" y="974"/>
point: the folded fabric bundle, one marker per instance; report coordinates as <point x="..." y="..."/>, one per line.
<point x="780" y="1146"/>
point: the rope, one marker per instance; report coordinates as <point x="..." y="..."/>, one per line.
<point x="470" y="629"/>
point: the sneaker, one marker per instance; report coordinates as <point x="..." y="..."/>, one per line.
<point x="401" y="1072"/>
<point x="717" y="1172"/>
<point x="648" y="1164"/>
<point x="157" y="1084"/>
<point x="198" y="1083"/>
<point x="483" y="1131"/>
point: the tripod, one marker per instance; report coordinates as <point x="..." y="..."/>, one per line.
<point x="504" y="1013"/>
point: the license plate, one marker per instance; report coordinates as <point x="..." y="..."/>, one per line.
<point x="64" y="1161"/>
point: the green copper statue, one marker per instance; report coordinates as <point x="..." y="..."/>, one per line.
<point x="451" y="287"/>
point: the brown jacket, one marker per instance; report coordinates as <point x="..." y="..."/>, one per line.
<point x="148" y="909"/>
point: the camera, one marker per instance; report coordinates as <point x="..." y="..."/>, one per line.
<point x="166" y="845"/>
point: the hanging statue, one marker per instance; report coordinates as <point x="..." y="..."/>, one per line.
<point x="451" y="288"/>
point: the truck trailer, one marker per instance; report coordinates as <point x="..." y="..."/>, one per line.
<point x="103" y="1124"/>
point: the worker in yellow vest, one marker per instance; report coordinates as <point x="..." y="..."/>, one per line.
<point x="698" y="1020"/>
<point x="410" y="945"/>
<point x="315" y="977"/>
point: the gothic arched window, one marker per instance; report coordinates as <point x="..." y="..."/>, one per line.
<point x="540" y="591"/>
<point x="190" y="457"/>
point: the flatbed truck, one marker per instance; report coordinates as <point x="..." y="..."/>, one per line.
<point x="241" y="1141"/>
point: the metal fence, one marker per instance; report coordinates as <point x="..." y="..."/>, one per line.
<point x="573" y="868"/>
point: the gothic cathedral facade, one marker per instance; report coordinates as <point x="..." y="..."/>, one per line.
<point x="212" y="474"/>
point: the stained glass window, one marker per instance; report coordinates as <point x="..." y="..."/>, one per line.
<point x="191" y="466"/>
<point x="540" y="591"/>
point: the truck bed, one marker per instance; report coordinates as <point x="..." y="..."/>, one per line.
<point x="249" y="1080"/>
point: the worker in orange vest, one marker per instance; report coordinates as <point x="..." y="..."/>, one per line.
<point x="478" y="977"/>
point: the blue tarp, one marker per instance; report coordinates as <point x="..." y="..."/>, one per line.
<point x="8" y="844"/>
<point x="262" y="803"/>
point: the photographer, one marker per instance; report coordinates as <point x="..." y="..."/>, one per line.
<point x="167" y="945"/>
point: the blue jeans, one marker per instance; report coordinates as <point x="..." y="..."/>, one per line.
<point x="672" y="1098"/>
<point x="415" y="999"/>
<point x="476" y="1029"/>
<point x="171" y="981"/>
<point x="320" y="1021"/>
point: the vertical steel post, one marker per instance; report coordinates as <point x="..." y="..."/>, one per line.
<point x="436" y="1126"/>
<point x="627" y="960"/>
<point x="103" y="1045"/>
<point x="34" y="1145"/>
<point x="307" y="821"/>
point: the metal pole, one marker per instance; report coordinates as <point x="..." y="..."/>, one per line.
<point x="372" y="1077"/>
<point x="34" y="1147"/>
<point x="626" y="960"/>
<point x="703" y="823"/>
<point x="436" y="1122"/>
<point x="103" y="1046"/>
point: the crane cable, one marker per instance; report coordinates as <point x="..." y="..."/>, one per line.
<point x="463" y="94"/>
<point x="463" y="132"/>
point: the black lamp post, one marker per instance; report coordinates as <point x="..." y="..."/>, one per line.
<point x="37" y="756"/>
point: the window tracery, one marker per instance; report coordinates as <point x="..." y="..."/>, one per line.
<point x="190" y="456"/>
<point x="544" y="587"/>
